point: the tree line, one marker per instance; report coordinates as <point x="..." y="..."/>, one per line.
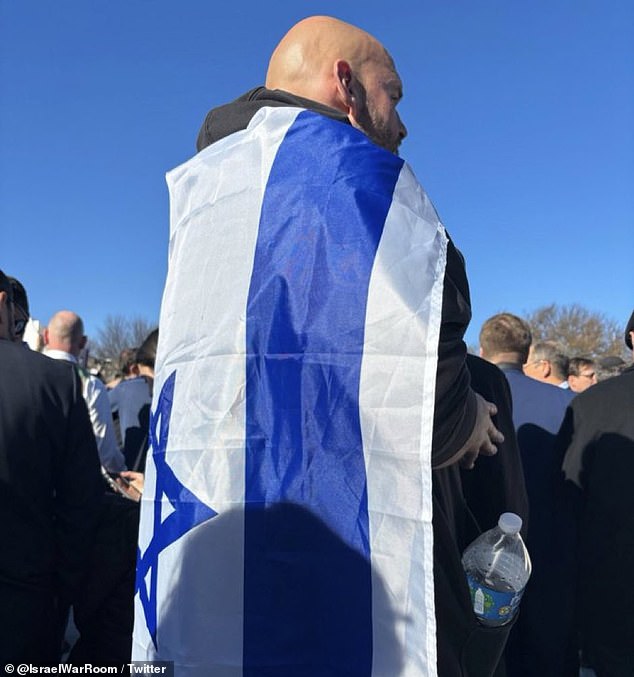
<point x="117" y="333"/>
<point x="581" y="332"/>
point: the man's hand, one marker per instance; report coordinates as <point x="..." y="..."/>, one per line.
<point x="483" y="439"/>
<point x="131" y="484"/>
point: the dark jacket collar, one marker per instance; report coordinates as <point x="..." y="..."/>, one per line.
<point x="510" y="366"/>
<point x="234" y="116"/>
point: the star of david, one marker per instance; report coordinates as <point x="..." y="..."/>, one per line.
<point x="188" y="513"/>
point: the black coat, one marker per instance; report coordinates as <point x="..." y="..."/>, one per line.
<point x="542" y="643"/>
<point x="50" y="490"/>
<point x="597" y="437"/>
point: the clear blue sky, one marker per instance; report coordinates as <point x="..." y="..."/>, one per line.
<point x="520" y="119"/>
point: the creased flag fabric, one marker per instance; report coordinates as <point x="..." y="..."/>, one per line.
<point x="286" y="519"/>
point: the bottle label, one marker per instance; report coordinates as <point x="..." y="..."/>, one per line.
<point x="493" y="605"/>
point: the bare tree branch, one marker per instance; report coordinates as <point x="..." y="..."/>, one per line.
<point x="581" y="332"/>
<point x="119" y="332"/>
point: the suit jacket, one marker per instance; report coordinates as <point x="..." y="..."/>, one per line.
<point x="50" y="490"/>
<point x="597" y="438"/>
<point x="496" y="483"/>
<point x="542" y="641"/>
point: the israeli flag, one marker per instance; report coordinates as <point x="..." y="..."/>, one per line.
<point x="286" y="524"/>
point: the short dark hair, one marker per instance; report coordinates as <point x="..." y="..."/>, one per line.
<point x="505" y="333"/>
<point x="146" y="354"/>
<point x="19" y="295"/>
<point x="576" y="364"/>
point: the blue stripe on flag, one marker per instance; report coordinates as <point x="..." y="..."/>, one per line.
<point x="307" y="596"/>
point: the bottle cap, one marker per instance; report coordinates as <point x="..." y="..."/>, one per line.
<point x="510" y="523"/>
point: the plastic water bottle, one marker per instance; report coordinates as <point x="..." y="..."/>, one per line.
<point x="497" y="567"/>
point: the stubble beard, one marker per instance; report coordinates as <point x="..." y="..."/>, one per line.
<point x="377" y="130"/>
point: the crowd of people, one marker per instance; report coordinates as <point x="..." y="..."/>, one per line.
<point x="73" y="451"/>
<point x="546" y="426"/>
<point x="546" y="389"/>
<point x="522" y="428"/>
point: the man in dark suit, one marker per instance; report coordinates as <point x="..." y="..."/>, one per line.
<point x="542" y="642"/>
<point x="597" y="438"/>
<point x="49" y="497"/>
<point x="496" y="483"/>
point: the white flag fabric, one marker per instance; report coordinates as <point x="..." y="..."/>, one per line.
<point x="286" y="523"/>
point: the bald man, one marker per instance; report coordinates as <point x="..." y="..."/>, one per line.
<point x="64" y="340"/>
<point x="311" y="371"/>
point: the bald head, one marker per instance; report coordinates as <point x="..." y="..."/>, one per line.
<point x="302" y="61"/>
<point x="65" y="332"/>
<point x="341" y="66"/>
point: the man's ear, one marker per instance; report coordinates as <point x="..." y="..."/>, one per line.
<point x="345" y="83"/>
<point x="82" y="342"/>
<point x="546" y="368"/>
<point x="4" y="298"/>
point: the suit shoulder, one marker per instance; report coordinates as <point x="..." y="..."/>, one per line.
<point x="486" y="369"/>
<point x="616" y="391"/>
<point x="57" y="368"/>
<point x="19" y="360"/>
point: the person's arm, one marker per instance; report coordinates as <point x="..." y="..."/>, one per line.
<point x="462" y="419"/>
<point x="483" y="439"/>
<point x="573" y="445"/>
<point x="103" y="427"/>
